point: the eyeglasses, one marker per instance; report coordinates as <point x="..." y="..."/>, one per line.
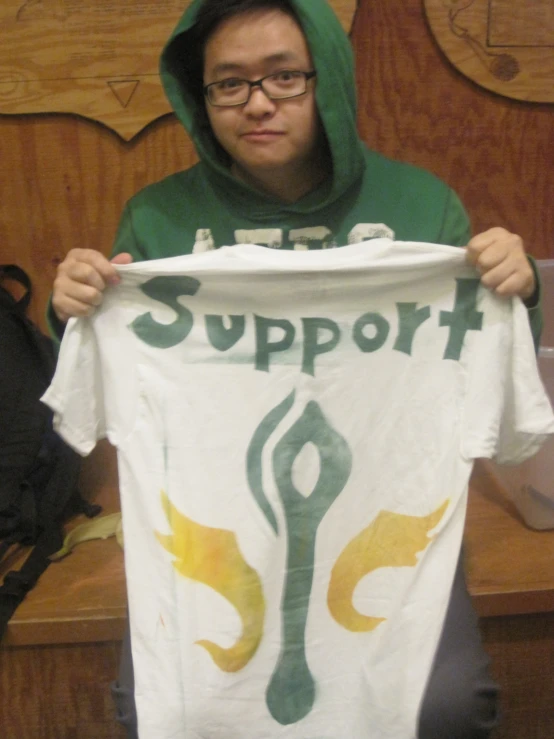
<point x="279" y="86"/>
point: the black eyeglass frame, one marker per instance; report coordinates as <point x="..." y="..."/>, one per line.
<point x="259" y="83"/>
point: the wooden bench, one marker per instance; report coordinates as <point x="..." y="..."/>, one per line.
<point x="61" y="648"/>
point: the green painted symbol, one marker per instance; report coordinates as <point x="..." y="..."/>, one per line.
<point x="292" y="689"/>
<point x="254" y="457"/>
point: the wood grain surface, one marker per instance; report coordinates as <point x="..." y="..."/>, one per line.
<point x="506" y="46"/>
<point x="509" y="566"/>
<point x="64" y="183"/>
<point x="60" y="692"/>
<point x="521" y="649"/>
<point x="497" y="153"/>
<point x="95" y="59"/>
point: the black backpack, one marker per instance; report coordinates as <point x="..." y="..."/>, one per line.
<point x="38" y="471"/>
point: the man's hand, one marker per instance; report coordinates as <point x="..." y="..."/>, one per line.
<point x="81" y="280"/>
<point x="500" y="258"/>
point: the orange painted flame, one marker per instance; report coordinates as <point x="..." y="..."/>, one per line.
<point x="391" y="540"/>
<point x="212" y="556"/>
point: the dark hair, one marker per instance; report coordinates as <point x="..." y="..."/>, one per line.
<point x="213" y="12"/>
<point x="186" y="56"/>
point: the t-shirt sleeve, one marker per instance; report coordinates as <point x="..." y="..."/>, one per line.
<point x="76" y="393"/>
<point x="507" y="414"/>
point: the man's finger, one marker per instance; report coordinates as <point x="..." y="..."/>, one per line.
<point x="514" y="285"/>
<point x="489" y="258"/>
<point x="483" y="240"/>
<point x="123" y="258"/>
<point x="493" y="278"/>
<point x="69" y="307"/>
<point x="94" y="260"/>
<point x="82" y="293"/>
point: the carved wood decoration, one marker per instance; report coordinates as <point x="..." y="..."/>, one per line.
<point x="506" y="46"/>
<point x="95" y="58"/>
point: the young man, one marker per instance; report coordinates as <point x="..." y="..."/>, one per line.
<point x="266" y="90"/>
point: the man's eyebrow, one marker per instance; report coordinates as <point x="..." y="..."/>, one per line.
<point x="280" y="57"/>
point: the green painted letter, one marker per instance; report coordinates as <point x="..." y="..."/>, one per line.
<point x="166" y="290"/>
<point x="382" y="328"/>
<point x="312" y="347"/>
<point x="221" y="337"/>
<point x="410" y="319"/>
<point x="264" y="347"/>
<point x="463" y="318"/>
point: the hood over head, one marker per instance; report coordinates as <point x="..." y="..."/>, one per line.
<point x="335" y="95"/>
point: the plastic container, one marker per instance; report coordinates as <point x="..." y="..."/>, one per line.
<point x="531" y="485"/>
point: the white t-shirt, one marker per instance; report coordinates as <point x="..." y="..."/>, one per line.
<point x="295" y="434"/>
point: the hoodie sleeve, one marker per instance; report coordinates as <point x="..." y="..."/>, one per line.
<point x="56" y="327"/>
<point x="533" y="305"/>
<point x="125" y="239"/>
<point x="456" y="228"/>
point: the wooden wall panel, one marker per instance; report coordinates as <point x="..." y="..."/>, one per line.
<point x="497" y="153"/>
<point x="64" y="180"/>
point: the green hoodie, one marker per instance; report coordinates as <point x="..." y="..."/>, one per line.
<point x="367" y="195"/>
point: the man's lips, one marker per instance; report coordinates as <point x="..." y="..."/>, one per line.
<point x="262" y="135"/>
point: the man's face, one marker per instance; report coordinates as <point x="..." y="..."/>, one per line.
<point x="263" y="136"/>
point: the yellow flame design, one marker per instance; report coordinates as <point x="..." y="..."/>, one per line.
<point x="391" y="540"/>
<point x="212" y="556"/>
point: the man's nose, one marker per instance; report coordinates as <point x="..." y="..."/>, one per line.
<point x="259" y="103"/>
